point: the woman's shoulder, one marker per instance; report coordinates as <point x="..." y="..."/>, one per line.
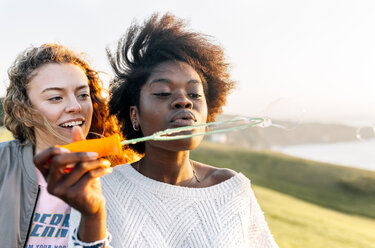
<point x="120" y="174"/>
<point x="9" y="143"/>
<point x="221" y="174"/>
<point x="211" y="175"/>
<point x="15" y="148"/>
<point x="10" y="147"/>
<point x="16" y="156"/>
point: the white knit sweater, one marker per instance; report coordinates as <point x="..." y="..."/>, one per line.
<point x="142" y="212"/>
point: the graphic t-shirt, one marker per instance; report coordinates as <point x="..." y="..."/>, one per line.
<point x="50" y="227"/>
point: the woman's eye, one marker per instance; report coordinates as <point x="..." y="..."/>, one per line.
<point x="55" y="99"/>
<point x="195" y="95"/>
<point x="162" y="94"/>
<point x="84" y="96"/>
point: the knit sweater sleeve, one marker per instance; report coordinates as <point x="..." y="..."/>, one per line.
<point x="259" y="234"/>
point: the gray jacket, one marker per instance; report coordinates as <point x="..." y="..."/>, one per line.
<point x="18" y="193"/>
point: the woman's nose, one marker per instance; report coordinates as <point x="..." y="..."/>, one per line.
<point x="182" y="101"/>
<point x="73" y="106"/>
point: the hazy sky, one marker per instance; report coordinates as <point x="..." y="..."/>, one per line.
<point x="320" y="53"/>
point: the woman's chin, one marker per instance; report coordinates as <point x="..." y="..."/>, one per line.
<point x="67" y="132"/>
<point x="180" y="145"/>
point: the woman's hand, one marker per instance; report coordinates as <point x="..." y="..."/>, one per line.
<point x="80" y="188"/>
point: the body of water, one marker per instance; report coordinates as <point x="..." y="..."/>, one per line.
<point x="358" y="154"/>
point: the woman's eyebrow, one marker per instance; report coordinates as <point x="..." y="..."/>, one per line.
<point x="168" y="81"/>
<point x="62" y="89"/>
<point x="194" y="81"/>
<point x="160" y="80"/>
<point x="82" y="87"/>
<point x="52" y="88"/>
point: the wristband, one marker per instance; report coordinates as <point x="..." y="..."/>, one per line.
<point x="104" y="243"/>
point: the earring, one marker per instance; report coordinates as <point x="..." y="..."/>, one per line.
<point x="135" y="128"/>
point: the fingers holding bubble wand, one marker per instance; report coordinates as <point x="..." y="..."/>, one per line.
<point x="74" y="178"/>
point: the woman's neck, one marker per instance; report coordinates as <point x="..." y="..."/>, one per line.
<point x="45" y="140"/>
<point x="169" y="167"/>
<point x="40" y="146"/>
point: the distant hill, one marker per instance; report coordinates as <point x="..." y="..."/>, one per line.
<point x="261" y="138"/>
<point x="341" y="188"/>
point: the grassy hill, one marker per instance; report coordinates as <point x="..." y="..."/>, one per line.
<point x="295" y="223"/>
<point x="340" y="188"/>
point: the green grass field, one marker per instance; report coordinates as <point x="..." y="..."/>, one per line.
<point x="298" y="224"/>
<point x="340" y="188"/>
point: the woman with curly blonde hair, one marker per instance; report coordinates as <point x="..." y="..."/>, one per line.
<point x="18" y="109"/>
<point x="52" y="90"/>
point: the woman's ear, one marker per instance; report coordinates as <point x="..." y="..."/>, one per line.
<point x="18" y="113"/>
<point x="134" y="117"/>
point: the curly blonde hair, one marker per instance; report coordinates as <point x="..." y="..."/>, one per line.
<point x="19" y="114"/>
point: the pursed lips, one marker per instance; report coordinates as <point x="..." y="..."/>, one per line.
<point x="183" y="118"/>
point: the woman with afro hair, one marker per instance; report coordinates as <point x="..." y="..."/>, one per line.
<point x="165" y="77"/>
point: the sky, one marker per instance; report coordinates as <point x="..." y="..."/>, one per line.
<point x="320" y="54"/>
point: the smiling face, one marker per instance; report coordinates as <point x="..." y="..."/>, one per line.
<point x="173" y="96"/>
<point x="60" y="92"/>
